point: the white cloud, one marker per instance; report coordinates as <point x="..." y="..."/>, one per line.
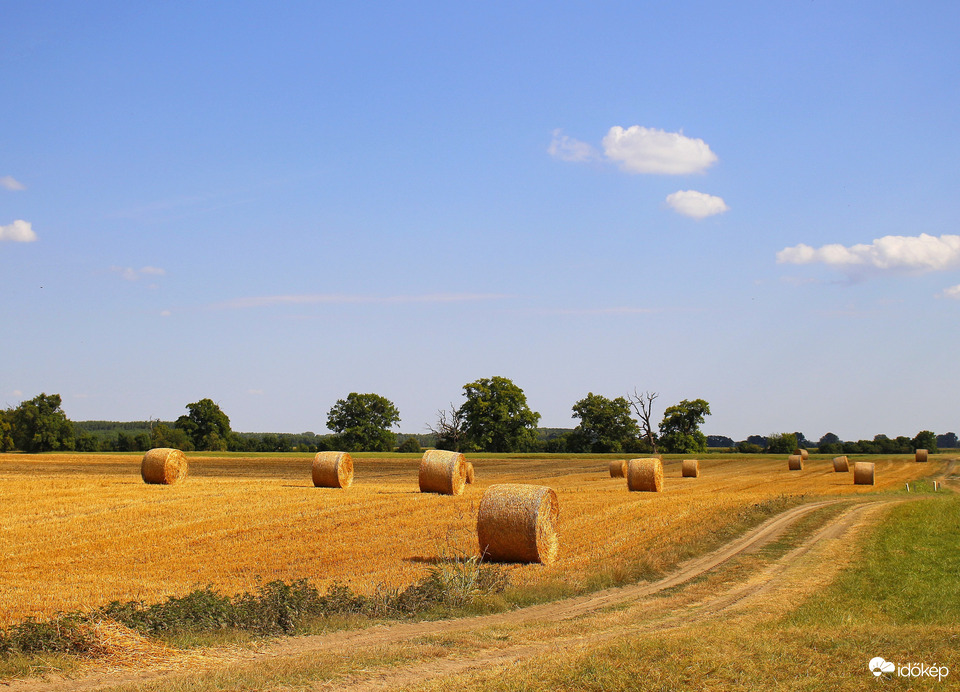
<point x="341" y="299"/>
<point x="569" y="149"/>
<point x="11" y="183"/>
<point x="923" y="253"/>
<point x="18" y="232"/>
<point x="131" y="274"/>
<point x="952" y="292"/>
<point x="697" y="205"/>
<point x="648" y="150"/>
<point x="165" y="313"/>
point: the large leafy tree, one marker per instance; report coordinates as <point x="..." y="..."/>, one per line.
<point x="605" y="425"/>
<point x="206" y="425"/>
<point x="6" y="431"/>
<point x="782" y="443"/>
<point x="680" y="428"/>
<point x="40" y="425"/>
<point x="363" y="422"/>
<point x="925" y="440"/>
<point x="496" y="416"/>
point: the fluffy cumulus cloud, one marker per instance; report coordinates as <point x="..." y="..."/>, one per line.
<point x="569" y="149"/>
<point x="923" y="253"/>
<point x="648" y="150"/>
<point x="18" y="232"/>
<point x="8" y="182"/>
<point x="697" y="205"/>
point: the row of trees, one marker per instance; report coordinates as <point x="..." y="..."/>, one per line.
<point x="494" y="417"/>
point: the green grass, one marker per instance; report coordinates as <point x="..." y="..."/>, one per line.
<point x="909" y="573"/>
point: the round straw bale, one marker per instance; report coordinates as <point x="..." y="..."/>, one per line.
<point x="332" y="470"/>
<point x="841" y="464"/>
<point x="863" y="473"/>
<point x="645" y="475"/>
<point x="921" y="455"/>
<point x="690" y="468"/>
<point x="469" y="476"/>
<point x="804" y="454"/>
<point x="618" y="468"/>
<point x="442" y="472"/>
<point x="517" y="523"/>
<point x="795" y="462"/>
<point x="163" y="466"/>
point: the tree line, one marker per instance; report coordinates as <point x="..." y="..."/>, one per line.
<point x="494" y="417"/>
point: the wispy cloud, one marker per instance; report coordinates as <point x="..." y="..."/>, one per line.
<point x="953" y="292"/>
<point x="568" y="149"/>
<point x="601" y="311"/>
<point x="891" y="253"/>
<point x="8" y="182"/>
<point x="696" y="205"/>
<point x="19" y="231"/>
<point x="341" y="299"/>
<point x="131" y="274"/>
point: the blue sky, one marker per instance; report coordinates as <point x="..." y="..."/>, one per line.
<point x="274" y="205"/>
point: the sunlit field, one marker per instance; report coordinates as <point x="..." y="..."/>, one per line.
<point x="79" y="531"/>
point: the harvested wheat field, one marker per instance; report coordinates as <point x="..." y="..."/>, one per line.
<point x="80" y="530"/>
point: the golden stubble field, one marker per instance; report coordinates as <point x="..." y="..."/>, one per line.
<point x="80" y="530"/>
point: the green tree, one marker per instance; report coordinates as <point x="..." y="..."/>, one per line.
<point x="497" y="418"/>
<point x="6" y="431"/>
<point x="363" y="421"/>
<point x="40" y="425"/>
<point x="925" y="440"/>
<point x="680" y="428"/>
<point x="175" y="438"/>
<point x="206" y="425"/>
<point x="605" y="425"/>
<point x="782" y="443"/>
<point x="411" y="444"/>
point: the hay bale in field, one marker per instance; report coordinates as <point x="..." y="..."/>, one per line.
<point x="618" y="468"/>
<point x="645" y="475"/>
<point x="841" y="464"/>
<point x="163" y="466"/>
<point x="803" y="454"/>
<point x="470" y="474"/>
<point x="332" y="470"/>
<point x="921" y="455"/>
<point x="863" y="473"/>
<point x="517" y="523"/>
<point x="795" y="462"/>
<point x="442" y="472"/>
<point x="690" y="468"/>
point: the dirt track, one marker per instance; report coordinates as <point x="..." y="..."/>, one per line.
<point x="731" y="596"/>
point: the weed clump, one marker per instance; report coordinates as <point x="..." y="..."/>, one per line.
<point x="276" y="607"/>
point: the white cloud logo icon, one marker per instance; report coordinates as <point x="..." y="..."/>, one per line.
<point x="878" y="666"/>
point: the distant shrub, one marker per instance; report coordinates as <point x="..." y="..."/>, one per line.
<point x="411" y="444"/>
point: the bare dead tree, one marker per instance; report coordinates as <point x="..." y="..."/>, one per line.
<point x="643" y="405"/>
<point x="450" y="432"/>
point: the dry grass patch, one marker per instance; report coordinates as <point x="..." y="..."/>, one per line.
<point x="83" y="530"/>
